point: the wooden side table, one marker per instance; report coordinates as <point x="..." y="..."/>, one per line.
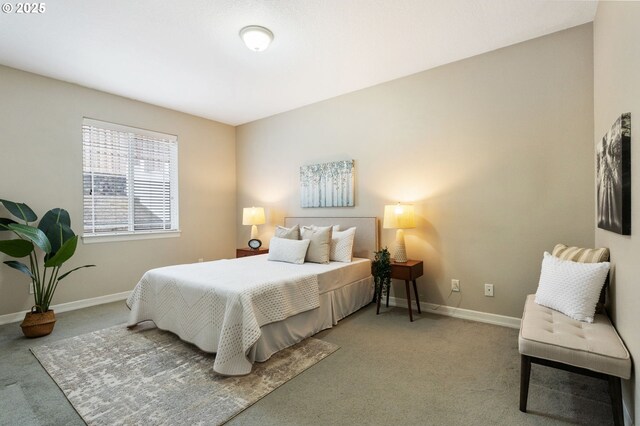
<point x="246" y="251"/>
<point x="411" y="270"/>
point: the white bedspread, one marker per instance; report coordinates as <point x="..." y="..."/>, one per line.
<point x="220" y="306"/>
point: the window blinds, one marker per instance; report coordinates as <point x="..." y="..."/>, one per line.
<point x="130" y="180"/>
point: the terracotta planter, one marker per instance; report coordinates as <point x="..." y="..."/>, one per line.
<point x="37" y="324"/>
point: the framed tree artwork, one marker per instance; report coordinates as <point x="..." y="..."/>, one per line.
<point x="327" y="184"/>
<point x="613" y="174"/>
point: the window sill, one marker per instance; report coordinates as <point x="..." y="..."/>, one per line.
<point x="111" y="238"/>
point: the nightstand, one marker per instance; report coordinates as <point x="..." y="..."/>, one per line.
<point x="411" y="270"/>
<point x="244" y="252"/>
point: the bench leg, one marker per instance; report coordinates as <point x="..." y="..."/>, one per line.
<point x="525" y="374"/>
<point x="615" y="391"/>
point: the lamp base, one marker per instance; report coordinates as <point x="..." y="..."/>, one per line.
<point x="400" y="254"/>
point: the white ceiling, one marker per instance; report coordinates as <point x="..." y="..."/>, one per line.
<point x="187" y="55"/>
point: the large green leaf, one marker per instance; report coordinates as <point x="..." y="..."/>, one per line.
<point x="58" y="234"/>
<point x="74" y="269"/>
<point x="16" y="248"/>
<point x="53" y="217"/>
<point x="19" y="266"/>
<point x="33" y="234"/>
<point x="20" y="210"/>
<point x="66" y="251"/>
<point x="4" y="222"/>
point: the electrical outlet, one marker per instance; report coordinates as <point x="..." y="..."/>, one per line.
<point x="488" y="290"/>
<point x="200" y="259"/>
<point x="455" y="285"/>
<point x="31" y="291"/>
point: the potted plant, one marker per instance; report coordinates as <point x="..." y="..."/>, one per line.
<point x="381" y="271"/>
<point x="54" y="237"/>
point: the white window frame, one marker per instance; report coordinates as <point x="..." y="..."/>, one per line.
<point x="132" y="234"/>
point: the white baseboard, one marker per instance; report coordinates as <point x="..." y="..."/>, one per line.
<point x="467" y="314"/>
<point x="70" y="306"/>
<point x="628" y="421"/>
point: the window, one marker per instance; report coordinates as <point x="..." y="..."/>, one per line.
<point x="130" y="180"/>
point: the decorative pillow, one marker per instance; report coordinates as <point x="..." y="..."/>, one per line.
<point x="342" y="245"/>
<point x="582" y="255"/>
<point x="320" y="245"/>
<point x="292" y="233"/>
<point x="585" y="255"/>
<point x="287" y="250"/>
<point x="334" y="228"/>
<point x="571" y="287"/>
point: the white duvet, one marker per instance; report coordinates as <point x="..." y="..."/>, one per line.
<point x="220" y="306"/>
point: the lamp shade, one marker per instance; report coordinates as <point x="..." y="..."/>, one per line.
<point x="253" y="216"/>
<point x="399" y="216"/>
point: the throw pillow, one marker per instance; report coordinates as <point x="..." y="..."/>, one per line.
<point x="571" y="287"/>
<point x="292" y="233"/>
<point x="334" y="228"/>
<point x="578" y="254"/>
<point x="342" y="245"/>
<point x="287" y="250"/>
<point x="320" y="243"/>
<point x="585" y="255"/>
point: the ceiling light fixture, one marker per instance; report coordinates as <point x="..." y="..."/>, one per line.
<point x="256" y="38"/>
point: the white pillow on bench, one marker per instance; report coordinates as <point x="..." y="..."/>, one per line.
<point x="572" y="288"/>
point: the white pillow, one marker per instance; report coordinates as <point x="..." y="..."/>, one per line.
<point x="342" y="245"/>
<point x="320" y="245"/>
<point x="572" y="288"/>
<point x="286" y="250"/>
<point x="292" y="233"/>
<point x="334" y="228"/>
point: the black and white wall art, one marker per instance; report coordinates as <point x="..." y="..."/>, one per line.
<point x="613" y="174"/>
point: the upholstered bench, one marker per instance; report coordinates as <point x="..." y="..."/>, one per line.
<point x="550" y="338"/>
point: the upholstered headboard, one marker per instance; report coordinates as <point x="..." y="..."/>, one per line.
<point x="366" y="240"/>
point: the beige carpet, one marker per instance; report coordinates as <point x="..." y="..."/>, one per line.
<point x="149" y="376"/>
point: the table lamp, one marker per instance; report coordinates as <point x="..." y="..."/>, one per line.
<point x="399" y="216"/>
<point x="253" y="216"/>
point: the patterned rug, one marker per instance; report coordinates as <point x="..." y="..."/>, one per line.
<point x="149" y="376"/>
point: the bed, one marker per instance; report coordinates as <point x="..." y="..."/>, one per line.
<point x="247" y="309"/>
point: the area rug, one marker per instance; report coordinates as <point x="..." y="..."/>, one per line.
<point x="149" y="376"/>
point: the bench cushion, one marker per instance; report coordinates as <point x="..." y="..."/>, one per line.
<point x="549" y="334"/>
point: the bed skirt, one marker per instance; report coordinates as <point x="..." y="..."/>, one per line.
<point x="334" y="306"/>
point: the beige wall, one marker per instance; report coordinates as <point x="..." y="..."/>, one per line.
<point x="41" y="165"/>
<point x="616" y="91"/>
<point x="495" y="152"/>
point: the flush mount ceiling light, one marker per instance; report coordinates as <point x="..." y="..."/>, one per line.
<point x="256" y="38"/>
